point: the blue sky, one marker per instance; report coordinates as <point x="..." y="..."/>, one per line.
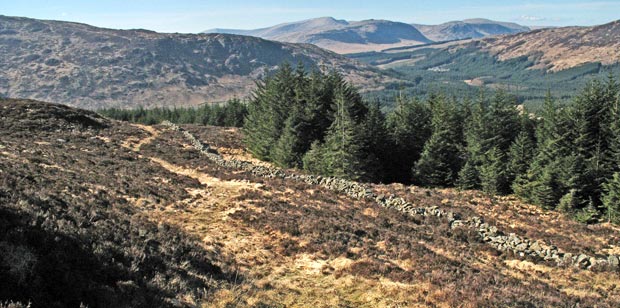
<point x="194" y="16"/>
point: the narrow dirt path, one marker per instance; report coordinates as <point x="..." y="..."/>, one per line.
<point x="306" y="278"/>
<point x="135" y="144"/>
<point x="206" y="213"/>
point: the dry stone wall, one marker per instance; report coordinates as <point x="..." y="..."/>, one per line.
<point x="489" y="234"/>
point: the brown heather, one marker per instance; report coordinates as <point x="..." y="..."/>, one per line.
<point x="106" y="213"/>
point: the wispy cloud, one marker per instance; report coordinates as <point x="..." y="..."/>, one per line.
<point x="189" y="21"/>
<point x="532" y="18"/>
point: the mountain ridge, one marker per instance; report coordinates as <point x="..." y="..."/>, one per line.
<point x="344" y="36"/>
<point x="92" y="67"/>
<point x="557" y="49"/>
<point x="469" y="28"/>
<point x="340" y="36"/>
<point x="527" y="65"/>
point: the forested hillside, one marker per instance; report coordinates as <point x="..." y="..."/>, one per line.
<point x="565" y="157"/>
<point x="231" y="114"/>
<point x="527" y="64"/>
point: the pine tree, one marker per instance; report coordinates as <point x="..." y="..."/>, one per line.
<point x="234" y="113"/>
<point x="469" y="177"/>
<point x="503" y="123"/>
<point x="317" y="108"/>
<point x="498" y="132"/>
<point x="268" y="111"/>
<point x="259" y="128"/>
<point x="408" y="128"/>
<point x="614" y="136"/>
<point x="313" y="160"/>
<point x="493" y="173"/>
<point x="440" y="160"/>
<point x="548" y="123"/>
<point x="611" y="187"/>
<point x="474" y="134"/>
<point x="612" y="88"/>
<point x="436" y="166"/>
<point x="521" y="153"/>
<point x="588" y="115"/>
<point x="545" y="191"/>
<point x="374" y="142"/>
<point x="552" y="148"/>
<point x="611" y="198"/>
<point x="342" y="151"/>
<point x="286" y="152"/>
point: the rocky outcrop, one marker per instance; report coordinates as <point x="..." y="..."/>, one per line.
<point x="489" y="234"/>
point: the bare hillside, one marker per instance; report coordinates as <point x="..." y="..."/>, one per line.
<point x="340" y="36"/>
<point x="561" y="48"/>
<point x="166" y="224"/>
<point x="91" y="67"/>
<point x="469" y="28"/>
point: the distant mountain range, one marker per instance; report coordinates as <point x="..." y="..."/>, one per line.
<point x="343" y="36"/>
<point x="91" y="67"/>
<point x="527" y="64"/>
<point x="469" y="28"/>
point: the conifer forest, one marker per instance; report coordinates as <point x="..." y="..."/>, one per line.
<point x="564" y="156"/>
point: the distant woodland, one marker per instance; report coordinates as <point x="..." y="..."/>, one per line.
<point x="230" y="114"/>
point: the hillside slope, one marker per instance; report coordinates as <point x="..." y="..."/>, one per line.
<point x="92" y="67"/>
<point x="469" y="28"/>
<point x="174" y="216"/>
<point x="74" y="216"/>
<point x="558" y="49"/>
<point x="300" y="31"/>
<point x="340" y="36"/>
<point x="526" y="64"/>
<point x="343" y="36"/>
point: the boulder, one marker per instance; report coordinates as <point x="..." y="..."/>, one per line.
<point x="521" y="247"/>
<point x="613" y="261"/>
<point x="583" y="261"/>
<point x="535" y="247"/>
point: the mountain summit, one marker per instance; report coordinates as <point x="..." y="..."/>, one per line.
<point x="343" y="36"/>
<point x="340" y="36"/>
<point x="469" y="28"/>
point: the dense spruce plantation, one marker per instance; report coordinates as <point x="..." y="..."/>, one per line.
<point x="565" y="157"/>
<point x="230" y="114"/>
<point x="517" y="75"/>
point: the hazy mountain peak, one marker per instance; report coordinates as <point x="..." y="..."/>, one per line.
<point x="340" y="35"/>
<point x="375" y="34"/>
<point x="478" y="20"/>
<point x="326" y="21"/>
<point x="469" y="28"/>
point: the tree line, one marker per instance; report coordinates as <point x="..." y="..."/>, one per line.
<point x="566" y="157"/>
<point x="232" y="113"/>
